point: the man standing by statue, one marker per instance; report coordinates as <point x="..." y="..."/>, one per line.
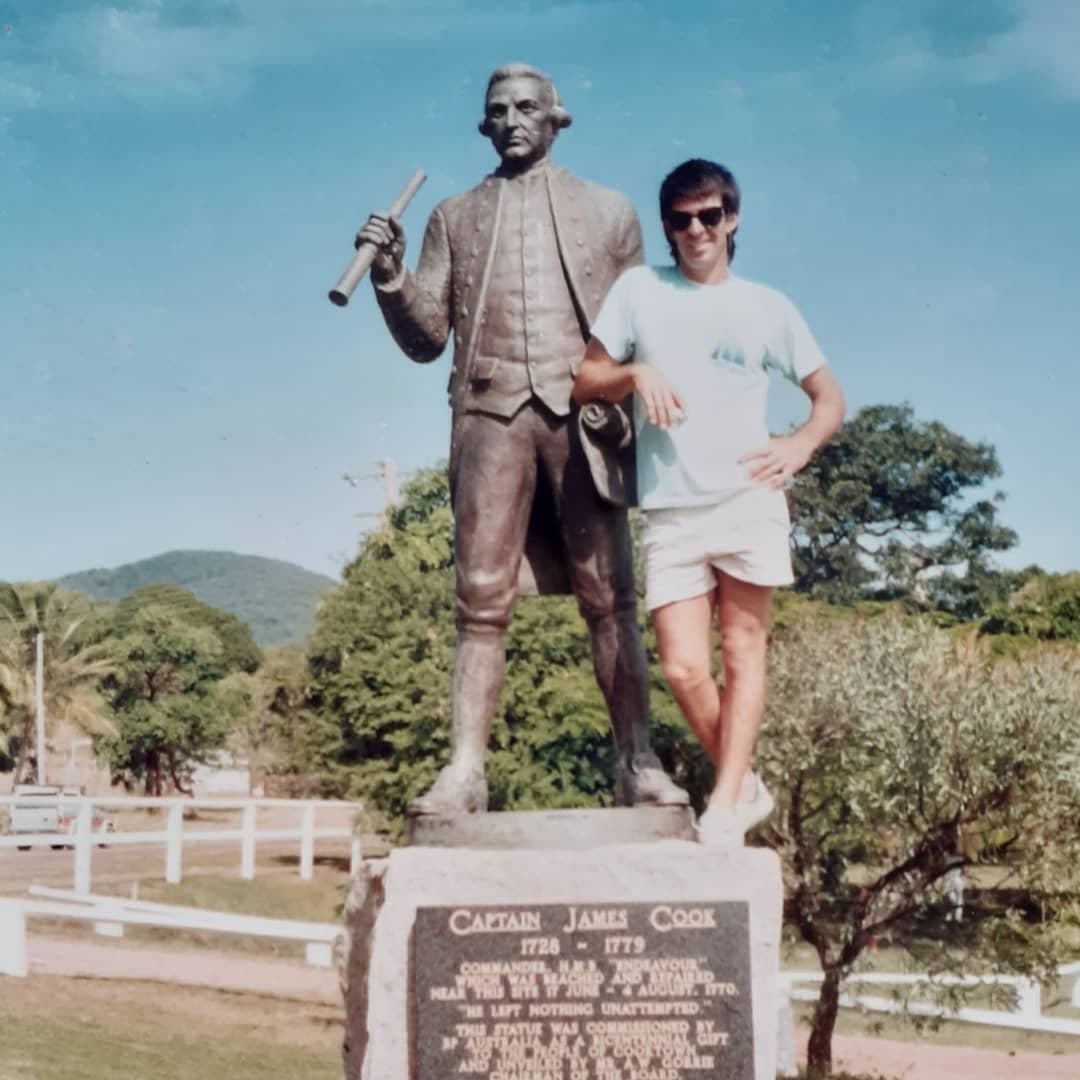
<point x="517" y="268"/>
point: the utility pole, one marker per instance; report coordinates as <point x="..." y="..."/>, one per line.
<point x="388" y="474"/>
<point x="39" y="702"/>
<point x="386" y="471"/>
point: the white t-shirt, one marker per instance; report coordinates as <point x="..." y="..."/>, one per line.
<point x="716" y="345"/>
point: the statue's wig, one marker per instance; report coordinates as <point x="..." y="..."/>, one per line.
<point x="560" y="118"/>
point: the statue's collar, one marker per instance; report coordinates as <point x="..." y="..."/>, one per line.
<point x="537" y="171"/>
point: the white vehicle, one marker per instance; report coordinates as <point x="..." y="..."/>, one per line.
<point x="40" y="808"/>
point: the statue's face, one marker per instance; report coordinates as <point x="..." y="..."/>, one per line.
<point x="519" y="121"/>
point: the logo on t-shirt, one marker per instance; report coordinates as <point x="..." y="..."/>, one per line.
<point x="729" y="357"/>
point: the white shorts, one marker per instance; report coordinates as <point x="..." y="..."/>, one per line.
<point x="747" y="535"/>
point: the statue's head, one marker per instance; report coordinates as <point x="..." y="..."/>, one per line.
<point x="522" y="115"/>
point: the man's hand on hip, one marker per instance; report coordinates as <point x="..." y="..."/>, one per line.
<point x="775" y="464"/>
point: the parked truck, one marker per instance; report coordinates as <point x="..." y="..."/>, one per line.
<point x="42" y="808"/>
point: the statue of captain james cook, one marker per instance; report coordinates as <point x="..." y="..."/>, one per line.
<point x="517" y="268"/>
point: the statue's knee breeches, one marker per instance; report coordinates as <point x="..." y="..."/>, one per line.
<point x="485" y="598"/>
<point x="601" y="563"/>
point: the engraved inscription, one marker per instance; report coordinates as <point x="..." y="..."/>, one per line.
<point x="637" y="991"/>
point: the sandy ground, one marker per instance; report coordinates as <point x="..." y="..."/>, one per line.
<point x="288" y="979"/>
<point x="914" y="1061"/>
<point x="189" y="967"/>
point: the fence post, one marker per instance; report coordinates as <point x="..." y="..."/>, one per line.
<point x="247" y="843"/>
<point x="12" y="939"/>
<point x="786" y="1058"/>
<point x="1029" y="998"/>
<point x="356" y="857"/>
<point x="83" y="827"/>
<point x="307" y="843"/>
<point x="174" y="843"/>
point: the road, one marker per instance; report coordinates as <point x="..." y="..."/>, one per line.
<point x="120" y="865"/>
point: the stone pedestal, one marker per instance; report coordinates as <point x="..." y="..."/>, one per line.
<point x="652" y="959"/>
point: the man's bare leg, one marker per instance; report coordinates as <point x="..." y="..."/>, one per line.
<point x="684" y="637"/>
<point x="743" y="614"/>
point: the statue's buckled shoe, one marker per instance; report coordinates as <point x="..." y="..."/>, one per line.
<point x="452" y="793"/>
<point x="644" y="783"/>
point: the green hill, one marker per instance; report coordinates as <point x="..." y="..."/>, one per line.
<point x="276" y="599"/>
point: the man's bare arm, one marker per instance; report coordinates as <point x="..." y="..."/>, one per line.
<point x="602" y="378"/>
<point x="786" y="455"/>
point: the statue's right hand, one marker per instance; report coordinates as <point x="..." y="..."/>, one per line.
<point x="386" y="234"/>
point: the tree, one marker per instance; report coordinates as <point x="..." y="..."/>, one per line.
<point x="74" y="661"/>
<point x="239" y="650"/>
<point x="169" y="709"/>
<point x="894" y="750"/>
<point x="381" y="661"/>
<point x="278" y="732"/>
<point x="883" y="510"/>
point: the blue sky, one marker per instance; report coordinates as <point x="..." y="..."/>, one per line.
<point x="180" y="181"/>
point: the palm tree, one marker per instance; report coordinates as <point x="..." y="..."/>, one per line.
<point x="73" y="665"/>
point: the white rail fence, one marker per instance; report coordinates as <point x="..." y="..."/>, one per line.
<point x="111" y="913"/>
<point x="1027" y="1014"/>
<point x="82" y="838"/>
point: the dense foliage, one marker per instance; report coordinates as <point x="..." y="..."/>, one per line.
<point x="1045" y="608"/>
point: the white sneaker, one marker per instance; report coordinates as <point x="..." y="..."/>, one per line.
<point x="757" y="809"/>
<point x="718" y="826"/>
<point x="725" y="826"/>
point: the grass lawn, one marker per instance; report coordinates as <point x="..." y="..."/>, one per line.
<point x="883" y="1026"/>
<point x="84" y="1029"/>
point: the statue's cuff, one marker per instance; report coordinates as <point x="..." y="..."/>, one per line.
<point x="394" y="284"/>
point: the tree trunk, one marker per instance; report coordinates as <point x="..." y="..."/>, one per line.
<point x="153" y="775"/>
<point x="819" y="1049"/>
<point x="23" y="772"/>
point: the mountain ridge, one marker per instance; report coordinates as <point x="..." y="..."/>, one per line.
<point x="276" y="598"/>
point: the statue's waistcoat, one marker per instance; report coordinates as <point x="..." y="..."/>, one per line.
<point x="483" y="239"/>
<point x="529" y="338"/>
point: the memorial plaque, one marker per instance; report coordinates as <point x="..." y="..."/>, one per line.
<point x="641" y="991"/>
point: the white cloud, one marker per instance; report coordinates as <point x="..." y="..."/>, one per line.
<point x="1041" y="42"/>
<point x="141" y="50"/>
<point x="1044" y="42"/>
<point x="157" y="51"/>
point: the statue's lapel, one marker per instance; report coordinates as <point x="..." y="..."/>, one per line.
<point x="566" y="214"/>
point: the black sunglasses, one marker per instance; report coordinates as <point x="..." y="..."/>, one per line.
<point x="710" y="217"/>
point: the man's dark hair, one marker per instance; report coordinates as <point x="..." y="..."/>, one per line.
<point x="691" y="180"/>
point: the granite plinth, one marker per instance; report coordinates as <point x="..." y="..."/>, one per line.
<point x="566" y="830"/>
<point x="738" y="889"/>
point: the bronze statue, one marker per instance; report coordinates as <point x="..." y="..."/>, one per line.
<point x="517" y="268"/>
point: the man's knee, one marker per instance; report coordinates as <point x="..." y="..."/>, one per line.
<point x="744" y="646"/>
<point x="685" y="673"/>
